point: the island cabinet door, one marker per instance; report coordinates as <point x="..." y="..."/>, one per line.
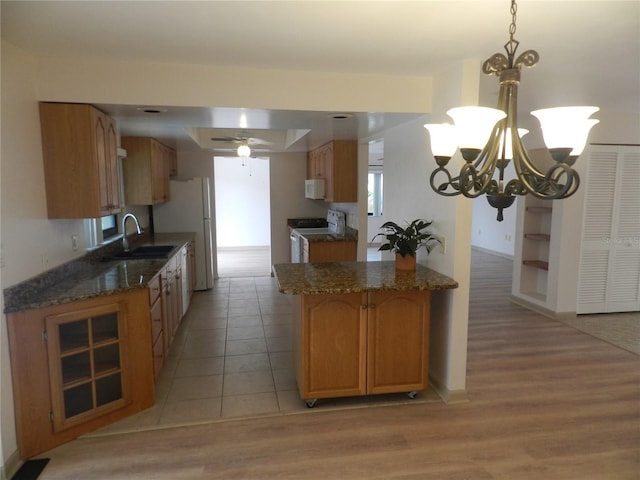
<point x="398" y="341"/>
<point x="332" y="335"/>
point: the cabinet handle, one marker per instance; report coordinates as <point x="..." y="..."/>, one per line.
<point x="372" y="305"/>
<point x="364" y="307"/>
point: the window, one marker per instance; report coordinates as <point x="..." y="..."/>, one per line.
<point x="98" y="231"/>
<point x="374" y="194"/>
<point x="109" y="226"/>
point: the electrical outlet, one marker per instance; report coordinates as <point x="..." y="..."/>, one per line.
<point x="74" y="242"/>
<point x="442" y="247"/>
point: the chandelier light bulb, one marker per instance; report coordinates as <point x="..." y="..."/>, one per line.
<point x="443" y="139"/>
<point x="473" y="125"/>
<point x="244" y="150"/>
<point x="508" y="148"/>
<point x="566" y="127"/>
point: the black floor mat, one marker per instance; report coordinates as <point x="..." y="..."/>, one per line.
<point x="31" y="469"/>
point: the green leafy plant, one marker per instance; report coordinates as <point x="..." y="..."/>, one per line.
<point x="407" y="240"/>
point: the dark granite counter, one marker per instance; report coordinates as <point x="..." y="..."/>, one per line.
<point x="354" y="277"/>
<point x="92" y="275"/>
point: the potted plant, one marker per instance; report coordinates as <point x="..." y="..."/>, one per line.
<point x="405" y="242"/>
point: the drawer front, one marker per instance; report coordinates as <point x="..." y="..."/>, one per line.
<point x="156" y="321"/>
<point x="154" y="289"/>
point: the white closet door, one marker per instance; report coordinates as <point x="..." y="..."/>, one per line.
<point x="624" y="285"/>
<point x="609" y="279"/>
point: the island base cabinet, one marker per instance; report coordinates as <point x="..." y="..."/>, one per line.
<point x="75" y="368"/>
<point x="331" y="350"/>
<point x="361" y="343"/>
<point x="398" y="342"/>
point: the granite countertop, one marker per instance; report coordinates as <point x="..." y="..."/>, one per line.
<point x="92" y="275"/>
<point x="354" y="277"/>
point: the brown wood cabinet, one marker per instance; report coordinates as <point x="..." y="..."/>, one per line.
<point x="79" y="366"/>
<point x="361" y="343"/>
<point x="79" y="147"/>
<point x="146" y="171"/>
<point x="338" y="251"/>
<point x="337" y="163"/>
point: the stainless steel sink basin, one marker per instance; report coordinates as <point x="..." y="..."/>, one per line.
<point x="146" y="252"/>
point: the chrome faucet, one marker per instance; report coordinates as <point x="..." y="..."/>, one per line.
<point x="125" y="242"/>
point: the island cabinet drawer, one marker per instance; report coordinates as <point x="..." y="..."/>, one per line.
<point x="361" y="343"/>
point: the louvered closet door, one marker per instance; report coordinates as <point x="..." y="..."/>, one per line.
<point x="609" y="279"/>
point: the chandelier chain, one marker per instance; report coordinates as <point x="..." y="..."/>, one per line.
<point x="512" y="44"/>
<point x="512" y="27"/>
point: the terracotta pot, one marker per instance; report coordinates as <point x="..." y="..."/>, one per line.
<point x="405" y="263"/>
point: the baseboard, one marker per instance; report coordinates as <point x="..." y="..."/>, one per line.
<point x="492" y="252"/>
<point x="11" y="466"/>
<point x="252" y="247"/>
<point x="542" y="310"/>
<point x="450" y="397"/>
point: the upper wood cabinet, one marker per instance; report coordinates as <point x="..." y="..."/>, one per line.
<point x="80" y="152"/>
<point x="337" y="163"/>
<point x="146" y="171"/>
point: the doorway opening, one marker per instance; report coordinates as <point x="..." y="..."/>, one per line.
<point x="243" y="219"/>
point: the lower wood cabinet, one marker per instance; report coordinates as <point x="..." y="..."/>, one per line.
<point x="79" y="366"/>
<point x="321" y="252"/>
<point x="361" y="343"/>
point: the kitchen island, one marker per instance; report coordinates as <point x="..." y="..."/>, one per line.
<point x="359" y="328"/>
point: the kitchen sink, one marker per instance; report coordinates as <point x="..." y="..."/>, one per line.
<point x="145" y="252"/>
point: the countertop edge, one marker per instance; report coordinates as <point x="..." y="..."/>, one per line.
<point x="356" y="277"/>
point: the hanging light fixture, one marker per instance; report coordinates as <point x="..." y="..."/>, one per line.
<point x="489" y="139"/>
<point x="244" y="150"/>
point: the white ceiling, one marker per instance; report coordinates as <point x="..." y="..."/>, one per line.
<point x="590" y="46"/>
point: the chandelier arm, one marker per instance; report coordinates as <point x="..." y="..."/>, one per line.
<point x="550" y="188"/>
<point x="515" y="187"/>
<point x="451" y="182"/>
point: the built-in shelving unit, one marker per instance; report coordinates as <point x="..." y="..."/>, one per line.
<point x="532" y="256"/>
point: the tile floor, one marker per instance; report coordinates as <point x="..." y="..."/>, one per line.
<point x="231" y="357"/>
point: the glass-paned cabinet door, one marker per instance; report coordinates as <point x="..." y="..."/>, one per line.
<point x="87" y="360"/>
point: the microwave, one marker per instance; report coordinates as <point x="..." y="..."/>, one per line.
<point x="314" y="189"/>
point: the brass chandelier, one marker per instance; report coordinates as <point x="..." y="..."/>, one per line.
<point x="489" y="139"/>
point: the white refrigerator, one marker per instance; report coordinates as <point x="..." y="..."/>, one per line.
<point x="189" y="210"/>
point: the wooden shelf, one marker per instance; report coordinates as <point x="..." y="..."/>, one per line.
<point x="539" y="209"/>
<point x="537" y="264"/>
<point x="545" y="237"/>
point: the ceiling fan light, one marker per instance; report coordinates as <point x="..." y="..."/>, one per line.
<point x="443" y="139"/>
<point x="474" y="125"/>
<point x="244" y="150"/>
<point x="566" y="127"/>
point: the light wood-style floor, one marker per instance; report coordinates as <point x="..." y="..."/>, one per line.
<point x="546" y="401"/>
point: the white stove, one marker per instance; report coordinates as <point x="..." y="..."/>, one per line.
<point x="336" y="225"/>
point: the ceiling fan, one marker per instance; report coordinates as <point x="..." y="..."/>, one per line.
<point x="244" y="141"/>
